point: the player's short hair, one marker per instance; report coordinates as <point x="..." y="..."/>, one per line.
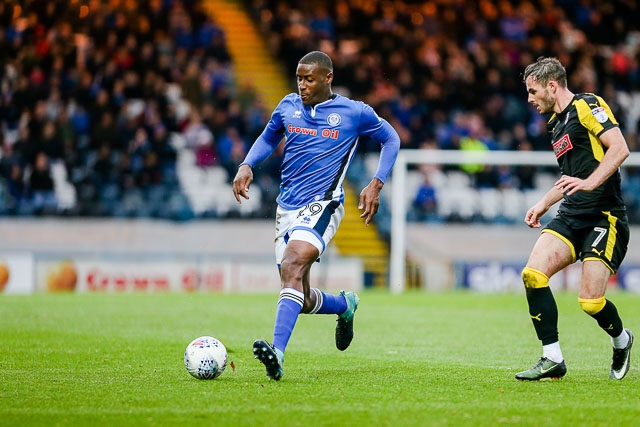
<point x="546" y="69"/>
<point x="317" y="57"/>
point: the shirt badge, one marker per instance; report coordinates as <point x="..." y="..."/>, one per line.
<point x="334" y="119"/>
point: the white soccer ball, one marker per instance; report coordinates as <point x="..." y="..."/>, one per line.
<point x="205" y="358"/>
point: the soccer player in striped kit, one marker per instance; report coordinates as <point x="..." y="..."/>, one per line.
<point x="591" y="224"/>
<point x="321" y="131"/>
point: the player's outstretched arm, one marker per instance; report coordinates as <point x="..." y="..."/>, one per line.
<point x="242" y="181"/>
<point x="370" y="200"/>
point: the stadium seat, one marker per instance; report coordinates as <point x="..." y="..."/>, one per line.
<point x="412" y="184"/>
<point x="490" y="202"/>
<point x="371" y="163"/>
<point x="533" y="196"/>
<point x="457" y="179"/>
<point x="200" y="185"/>
<point x="216" y="175"/>
<point x="177" y="208"/>
<point x="132" y="205"/>
<point x="513" y="204"/>
<point x="457" y="203"/>
<point x="544" y="180"/>
<point x="6" y="202"/>
<point x="226" y="203"/>
<point x="251" y="207"/>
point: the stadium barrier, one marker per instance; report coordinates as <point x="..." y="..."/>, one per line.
<point x="101" y="255"/>
<point x="26" y="273"/>
<point x="237" y="255"/>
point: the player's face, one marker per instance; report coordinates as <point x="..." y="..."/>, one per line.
<point x="314" y="83"/>
<point x="541" y="96"/>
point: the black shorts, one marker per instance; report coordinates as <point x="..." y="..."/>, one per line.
<point x="603" y="236"/>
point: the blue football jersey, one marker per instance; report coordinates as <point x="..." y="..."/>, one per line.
<point x="320" y="143"/>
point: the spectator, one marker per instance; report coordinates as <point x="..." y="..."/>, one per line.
<point x="232" y="148"/>
<point x="15" y="185"/>
<point x="425" y="202"/>
<point x="200" y="139"/>
<point x="206" y="155"/>
<point x="103" y="168"/>
<point x="422" y="66"/>
<point x="51" y="143"/>
<point x="139" y="146"/>
<point x="41" y="188"/>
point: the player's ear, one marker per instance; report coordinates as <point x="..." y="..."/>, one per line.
<point x="329" y="77"/>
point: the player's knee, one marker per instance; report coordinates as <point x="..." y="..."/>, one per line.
<point x="592" y="306"/>
<point x="533" y="278"/>
<point x="299" y="256"/>
<point x="293" y="266"/>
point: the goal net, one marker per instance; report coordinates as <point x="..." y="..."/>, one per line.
<point x="403" y="187"/>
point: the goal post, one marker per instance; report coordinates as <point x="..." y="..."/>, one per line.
<point x="406" y="157"/>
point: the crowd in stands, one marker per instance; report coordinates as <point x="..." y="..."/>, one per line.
<point x="104" y="94"/>
<point x="112" y="90"/>
<point x="447" y="73"/>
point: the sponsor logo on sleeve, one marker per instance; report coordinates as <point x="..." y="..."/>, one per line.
<point x="600" y="114"/>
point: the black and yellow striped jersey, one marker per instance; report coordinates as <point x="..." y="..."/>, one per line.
<point x="575" y="139"/>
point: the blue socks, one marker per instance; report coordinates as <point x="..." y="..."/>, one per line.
<point x="328" y="304"/>
<point x="289" y="307"/>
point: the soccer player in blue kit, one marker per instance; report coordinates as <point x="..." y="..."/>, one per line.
<point x="321" y="131"/>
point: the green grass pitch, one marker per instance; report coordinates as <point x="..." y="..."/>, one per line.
<point x="418" y="359"/>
